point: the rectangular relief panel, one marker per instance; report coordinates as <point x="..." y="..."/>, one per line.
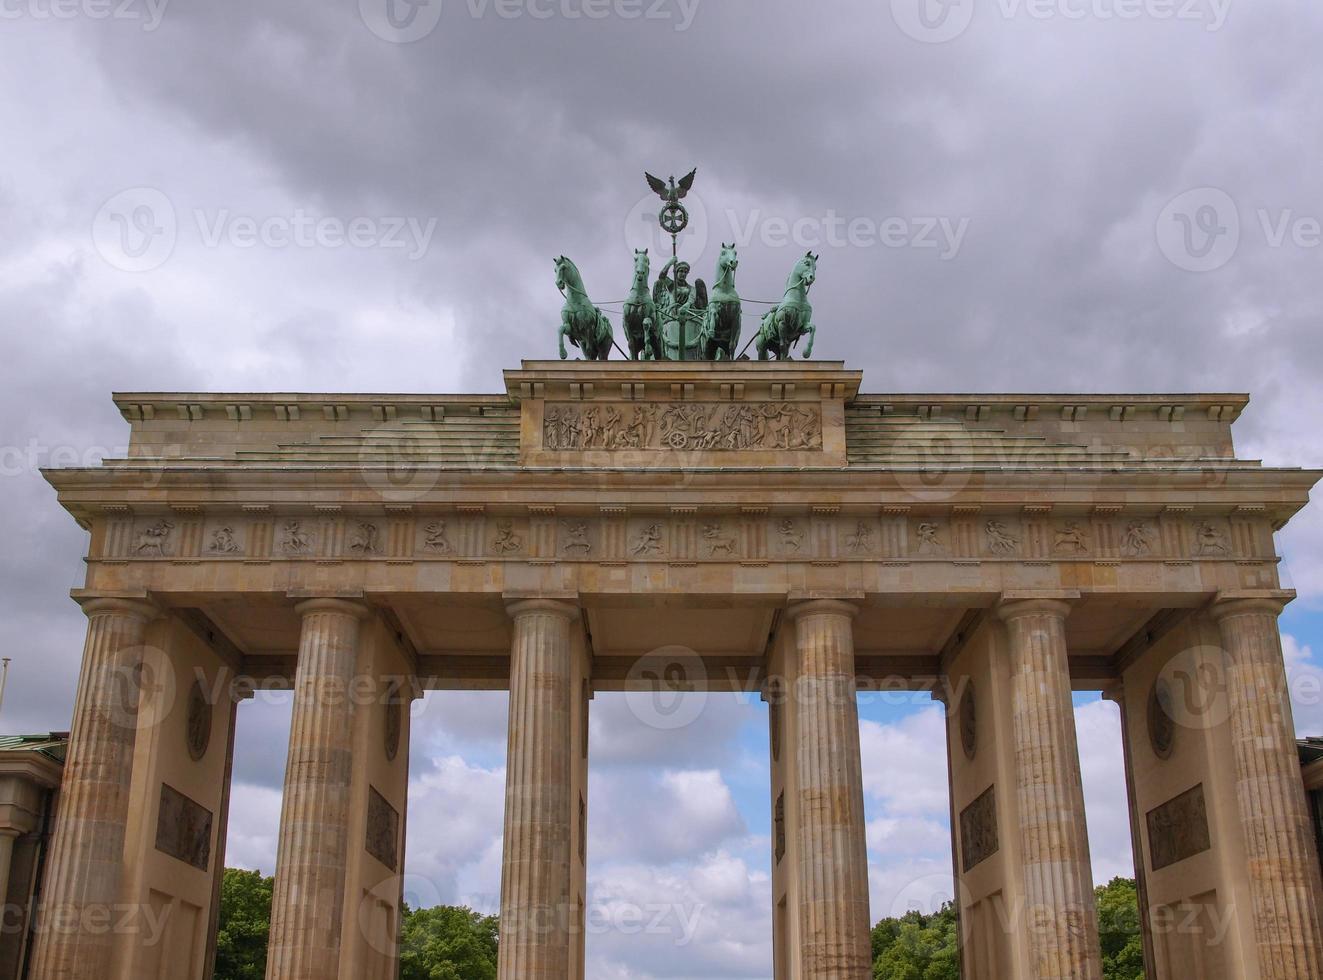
<point x="183" y="829"/>
<point x="383" y="830"/>
<point x="978" y="830"/>
<point x="1178" y="829"/>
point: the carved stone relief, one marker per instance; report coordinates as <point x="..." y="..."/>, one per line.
<point x="199" y="722"/>
<point x="717" y="541"/>
<point x="780" y="817"/>
<point x="860" y="540"/>
<point x="507" y="542"/>
<point x="969" y="721"/>
<point x="365" y="539"/>
<point x="1178" y="829"/>
<point x="154" y="540"/>
<point x="183" y="829"/>
<point x="1001" y="541"/>
<point x="295" y="538"/>
<point x="577" y="541"/>
<point x="647" y="542"/>
<point x="675" y="537"/>
<point x="930" y="544"/>
<point x="1138" y="539"/>
<point x="394" y="722"/>
<point x="691" y="426"/>
<point x="979" y="839"/>
<point x="223" y="542"/>
<point x="1161" y="719"/>
<point x="792" y="536"/>
<point x="1072" y="539"/>
<point x="1211" y="541"/>
<point x="383" y="830"/>
<point x="434" y="539"/>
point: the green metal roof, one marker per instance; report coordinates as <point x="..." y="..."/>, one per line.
<point x="53" y="745"/>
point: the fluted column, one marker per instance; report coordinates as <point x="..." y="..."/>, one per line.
<point x="1054" y="840"/>
<point x="307" y="910"/>
<point x="87" y="853"/>
<point x="1283" y="866"/>
<point x="833" y="848"/>
<point x="535" y="872"/>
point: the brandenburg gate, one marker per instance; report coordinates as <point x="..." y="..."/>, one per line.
<point x="793" y="537"/>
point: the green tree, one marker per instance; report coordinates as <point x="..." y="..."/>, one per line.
<point x="927" y="947"/>
<point x="448" y="944"/>
<point x="1119" y="930"/>
<point x="917" y="947"/>
<point x="245" y="925"/>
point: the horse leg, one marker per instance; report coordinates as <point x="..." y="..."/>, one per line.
<point x="812" y="336"/>
<point x="564" y="332"/>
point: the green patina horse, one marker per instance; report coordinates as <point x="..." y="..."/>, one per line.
<point x="581" y="321"/>
<point x="720" y="335"/>
<point x="792" y="319"/>
<point x="642" y="328"/>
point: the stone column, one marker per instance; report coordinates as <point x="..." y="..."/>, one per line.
<point x="1279" y="842"/>
<point x="86" y="863"/>
<point x="308" y="906"/>
<point x="833" y="849"/>
<point x="535" y="872"/>
<point x="1058" y="880"/>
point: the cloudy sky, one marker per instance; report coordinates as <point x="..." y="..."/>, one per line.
<point x="333" y="194"/>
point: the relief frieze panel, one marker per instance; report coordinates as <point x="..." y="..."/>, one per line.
<point x="684" y="534"/>
<point x="682" y="427"/>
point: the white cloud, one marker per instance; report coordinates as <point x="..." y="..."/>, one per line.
<point x="1304" y="675"/>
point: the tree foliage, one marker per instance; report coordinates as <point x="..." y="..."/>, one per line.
<point x="245" y="925"/>
<point x="927" y="947"/>
<point x="1119" y="931"/>
<point x="448" y="944"/>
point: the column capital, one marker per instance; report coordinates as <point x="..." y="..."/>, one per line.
<point x="1250" y="601"/>
<point x="528" y="605"/>
<point x="1016" y="605"/>
<point x="136" y="607"/>
<point x="819" y="607"/>
<point x="332" y="604"/>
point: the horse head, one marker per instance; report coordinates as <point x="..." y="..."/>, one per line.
<point x="806" y="272"/>
<point x="642" y="264"/>
<point x="727" y="262"/>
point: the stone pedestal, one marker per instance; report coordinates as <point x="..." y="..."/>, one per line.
<point x="833" y="849"/>
<point x="87" y="854"/>
<point x="536" y="911"/>
<point x="1283" y="866"/>
<point x="1058" y="879"/>
<point x="308" y="907"/>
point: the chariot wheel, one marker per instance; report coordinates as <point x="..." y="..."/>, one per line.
<point x="677" y="440"/>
